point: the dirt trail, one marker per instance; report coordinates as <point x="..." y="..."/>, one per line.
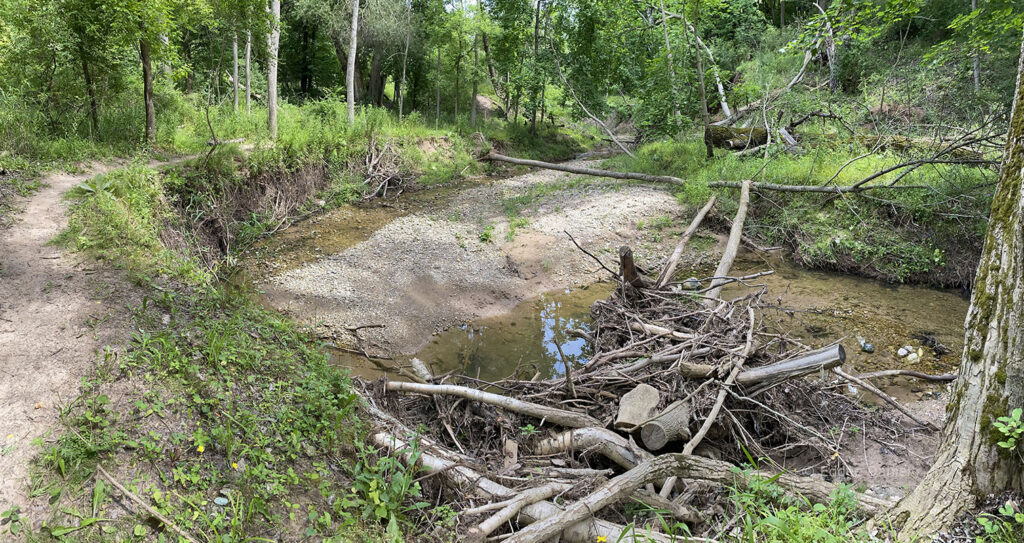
<point x="57" y="311"/>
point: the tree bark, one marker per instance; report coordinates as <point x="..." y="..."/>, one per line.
<point x="376" y="85"/>
<point x="704" y="116"/>
<point x="671" y="67"/>
<point x="561" y="417"/>
<point x="275" y="39"/>
<point x="476" y="67"/>
<point x="729" y="255"/>
<point x="976" y="58"/>
<point x="437" y="115"/>
<point x="536" y="51"/>
<point x="147" y="90"/>
<point x="969" y="464"/>
<point x="401" y="85"/>
<point x="234" y="58"/>
<point x="248" y="72"/>
<point x="90" y="89"/>
<point x="350" y="71"/>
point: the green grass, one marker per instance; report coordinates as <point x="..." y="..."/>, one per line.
<point x="901" y="236"/>
<point x="768" y="515"/>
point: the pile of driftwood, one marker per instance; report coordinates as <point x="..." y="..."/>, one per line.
<point x="382" y="171"/>
<point x="683" y="387"/>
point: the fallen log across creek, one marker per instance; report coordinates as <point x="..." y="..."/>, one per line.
<point x="681" y="386"/>
<point x="671" y="180"/>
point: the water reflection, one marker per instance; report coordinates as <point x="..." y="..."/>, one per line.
<point x="532" y="337"/>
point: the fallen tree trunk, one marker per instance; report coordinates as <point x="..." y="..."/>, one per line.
<point x="609" y="493"/>
<point x="670" y="425"/>
<point x="768" y="376"/>
<point x="700" y="468"/>
<point x="585" y="171"/>
<point x="530" y="496"/>
<point x="738" y="138"/>
<point x="681" y="182"/>
<point x="468" y="480"/>
<point x="731" y="248"/>
<point x="673" y="261"/>
<point x="558" y="416"/>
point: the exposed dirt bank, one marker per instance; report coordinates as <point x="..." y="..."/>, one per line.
<point x="455" y="260"/>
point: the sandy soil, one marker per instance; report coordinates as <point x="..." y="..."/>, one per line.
<point x="57" y="312"/>
<point x="429" y="270"/>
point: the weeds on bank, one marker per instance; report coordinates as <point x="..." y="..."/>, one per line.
<point x="894" y="235"/>
<point x="232" y="423"/>
<point x="767" y="514"/>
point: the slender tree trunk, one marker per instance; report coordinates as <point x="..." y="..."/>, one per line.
<point x="186" y="54"/>
<point x="476" y="67"/>
<point x="499" y="89"/>
<point x="350" y="71"/>
<point x="458" y="76"/>
<point x="248" y="72"/>
<point x="401" y="98"/>
<point x="90" y="89"/>
<point x="234" y="56"/>
<point x="671" y="67"/>
<point x="782" y="13"/>
<point x="147" y="90"/>
<point x="969" y="464"/>
<point x="976" y="58"/>
<point x="536" y="66"/>
<point x="275" y="39"/>
<point x="704" y="116"/>
<point x="437" y="116"/>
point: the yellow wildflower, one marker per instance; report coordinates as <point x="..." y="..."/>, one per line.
<point x="601" y="539"/>
<point x="200" y="448"/>
<point x="234" y="465"/>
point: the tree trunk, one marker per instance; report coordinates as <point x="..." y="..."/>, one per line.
<point x="976" y="58"/>
<point x="248" y="72"/>
<point x="234" y="58"/>
<point x="376" y="86"/>
<point x="90" y="89"/>
<point x="147" y="90"/>
<point x="970" y="465"/>
<point x="500" y="90"/>
<point x="671" y="67"/>
<point x="401" y="86"/>
<point x="704" y="116"/>
<point x="437" y="116"/>
<point x="458" y="75"/>
<point x="476" y="66"/>
<point x="186" y="55"/>
<point x="782" y="13"/>
<point x="275" y="39"/>
<point x="536" y="48"/>
<point x="350" y="71"/>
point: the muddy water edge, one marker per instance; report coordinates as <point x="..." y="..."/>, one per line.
<point x="532" y="339"/>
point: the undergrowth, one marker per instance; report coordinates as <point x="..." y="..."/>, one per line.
<point x="931" y="235"/>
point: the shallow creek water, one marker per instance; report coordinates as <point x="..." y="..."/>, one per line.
<point x="817" y="307"/>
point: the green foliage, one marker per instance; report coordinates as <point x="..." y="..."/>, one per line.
<point x="903" y="236"/>
<point x="382" y="489"/>
<point x="769" y="515"/>
<point x="1005" y="527"/>
<point x="118" y="217"/>
<point x="1011" y="427"/>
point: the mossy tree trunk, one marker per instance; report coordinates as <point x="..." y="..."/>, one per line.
<point x="970" y="465"/>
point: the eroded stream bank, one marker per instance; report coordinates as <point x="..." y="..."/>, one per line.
<point x="481" y="277"/>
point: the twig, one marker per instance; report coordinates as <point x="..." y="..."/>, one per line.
<point x="888" y="399"/>
<point x="131" y="495"/>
